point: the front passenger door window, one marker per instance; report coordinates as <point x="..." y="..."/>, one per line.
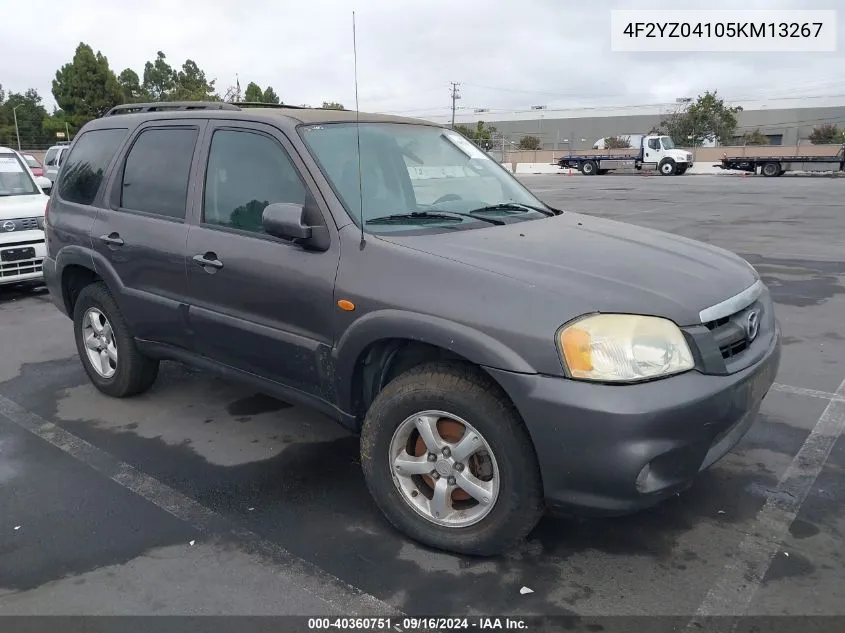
<point x="246" y="172"/>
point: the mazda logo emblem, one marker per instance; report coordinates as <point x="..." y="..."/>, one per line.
<point x="752" y="325"/>
<point x="8" y="225"/>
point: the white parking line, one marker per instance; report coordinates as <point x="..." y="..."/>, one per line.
<point x="813" y="393"/>
<point x="340" y="596"/>
<point x="733" y="592"/>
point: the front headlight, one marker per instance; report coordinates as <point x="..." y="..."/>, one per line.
<point x="623" y="348"/>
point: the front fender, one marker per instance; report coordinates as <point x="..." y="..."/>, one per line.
<point x="475" y="346"/>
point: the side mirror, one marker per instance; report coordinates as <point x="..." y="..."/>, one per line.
<point x="286" y="220"/>
<point x="45" y="183"/>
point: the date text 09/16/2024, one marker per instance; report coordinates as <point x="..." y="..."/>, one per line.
<point x="409" y="624"/>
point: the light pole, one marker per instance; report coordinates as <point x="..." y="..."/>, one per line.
<point x="17" y="133"/>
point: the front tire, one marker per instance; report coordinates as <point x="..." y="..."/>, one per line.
<point x="667" y="167"/>
<point x="449" y="462"/>
<point x="106" y="347"/>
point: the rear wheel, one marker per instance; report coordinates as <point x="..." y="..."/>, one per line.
<point x="771" y="169"/>
<point x="106" y="347"/>
<point x="449" y="462"/>
<point x="589" y="168"/>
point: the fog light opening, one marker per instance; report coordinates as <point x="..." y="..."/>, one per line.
<point x="642" y="478"/>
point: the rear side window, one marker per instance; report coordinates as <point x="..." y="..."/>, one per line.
<point x="158" y="167"/>
<point x="50" y="157"/>
<point x="82" y="173"/>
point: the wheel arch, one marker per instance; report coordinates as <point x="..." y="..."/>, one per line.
<point x="382" y="345"/>
<point x="77" y="267"/>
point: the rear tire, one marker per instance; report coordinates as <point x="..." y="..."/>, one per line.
<point x="122" y="371"/>
<point x="589" y="168"/>
<point x="451" y="394"/>
<point x="771" y="169"/>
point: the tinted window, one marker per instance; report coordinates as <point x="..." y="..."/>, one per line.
<point x="155" y="179"/>
<point x="83" y="170"/>
<point x="246" y="172"/>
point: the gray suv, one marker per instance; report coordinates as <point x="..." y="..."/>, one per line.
<point x="498" y="357"/>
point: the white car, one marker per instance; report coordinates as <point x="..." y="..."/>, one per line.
<point x="22" y="206"/>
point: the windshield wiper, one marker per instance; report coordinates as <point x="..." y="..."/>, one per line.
<point x="428" y="215"/>
<point x="512" y="206"/>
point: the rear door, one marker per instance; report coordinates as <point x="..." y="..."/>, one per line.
<point x="142" y="231"/>
<point x="258" y="303"/>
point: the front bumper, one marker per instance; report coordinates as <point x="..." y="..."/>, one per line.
<point x="25" y="270"/>
<point x="615" y="449"/>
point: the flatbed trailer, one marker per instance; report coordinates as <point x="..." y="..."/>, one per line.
<point x="771" y="162"/>
<point x="654" y="152"/>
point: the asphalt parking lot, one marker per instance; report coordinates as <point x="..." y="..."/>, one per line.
<point x="201" y="497"/>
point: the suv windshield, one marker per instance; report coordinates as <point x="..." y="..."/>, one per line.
<point x="14" y="177"/>
<point x="417" y="177"/>
<point x="667" y="142"/>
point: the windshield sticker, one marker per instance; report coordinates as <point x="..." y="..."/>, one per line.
<point x="10" y="165"/>
<point x="465" y="146"/>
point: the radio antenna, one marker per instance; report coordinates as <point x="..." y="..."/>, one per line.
<point x="358" y="129"/>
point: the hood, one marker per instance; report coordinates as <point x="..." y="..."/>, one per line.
<point x="598" y="265"/>
<point x="29" y="206"/>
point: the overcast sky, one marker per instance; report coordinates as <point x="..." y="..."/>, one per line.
<point x="506" y="54"/>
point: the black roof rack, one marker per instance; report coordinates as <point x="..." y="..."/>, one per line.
<point x="132" y="108"/>
<point x="261" y="104"/>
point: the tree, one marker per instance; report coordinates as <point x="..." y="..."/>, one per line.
<point x="130" y="86"/>
<point x="529" y="142"/>
<point x="159" y="78"/>
<point x="481" y="134"/>
<point x="707" y="119"/>
<point x="270" y="96"/>
<point x="86" y="88"/>
<point x="191" y="84"/>
<point x="332" y="105"/>
<point x="755" y="137"/>
<point x="617" y="142"/>
<point x="30" y="115"/>
<point x="826" y="134"/>
<point x="253" y="93"/>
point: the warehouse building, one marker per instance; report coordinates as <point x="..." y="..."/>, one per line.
<point x="783" y="121"/>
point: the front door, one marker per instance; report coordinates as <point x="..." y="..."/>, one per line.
<point x="142" y="232"/>
<point x="258" y="303"/>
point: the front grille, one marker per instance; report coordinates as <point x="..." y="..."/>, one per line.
<point x="19" y="224"/>
<point x="730" y="334"/>
<point x="25" y="267"/>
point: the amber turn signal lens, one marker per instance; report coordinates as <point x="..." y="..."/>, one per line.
<point x="576" y="349"/>
<point x="343" y="304"/>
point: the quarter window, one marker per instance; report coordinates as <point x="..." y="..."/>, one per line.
<point x="157" y="171"/>
<point x="82" y="173"/>
<point x="246" y="172"/>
